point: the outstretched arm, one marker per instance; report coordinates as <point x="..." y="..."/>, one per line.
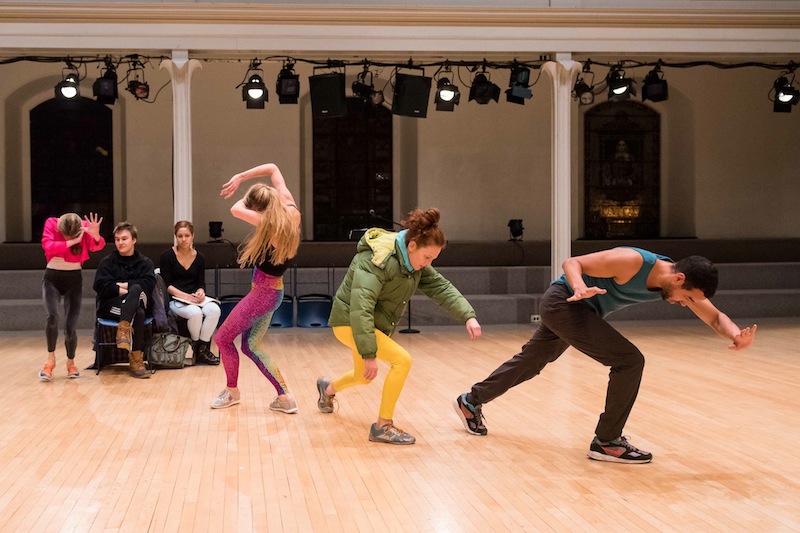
<point x="723" y="325"/>
<point x="269" y="170"/>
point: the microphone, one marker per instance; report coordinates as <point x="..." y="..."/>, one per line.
<point x="375" y="215"/>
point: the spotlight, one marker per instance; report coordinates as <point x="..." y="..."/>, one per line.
<point x="288" y="85"/>
<point x="655" y="86"/>
<point x="69" y="87"/>
<point x="785" y="96"/>
<point x="137" y="86"/>
<point x="447" y="95"/>
<point x="583" y="91"/>
<point x="365" y="89"/>
<point x="105" y="87"/>
<point x="620" y="87"/>
<point x="515" y="227"/>
<point x="518" y="88"/>
<point x="411" y="95"/>
<point x="254" y="90"/>
<point x="327" y="95"/>
<point x="483" y="90"/>
<point x="215" y="230"/>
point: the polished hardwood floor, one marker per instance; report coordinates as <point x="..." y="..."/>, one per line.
<point x="111" y="453"/>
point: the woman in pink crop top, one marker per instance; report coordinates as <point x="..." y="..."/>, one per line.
<point x="67" y="241"/>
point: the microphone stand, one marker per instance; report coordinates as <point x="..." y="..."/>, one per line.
<point x="409" y="329"/>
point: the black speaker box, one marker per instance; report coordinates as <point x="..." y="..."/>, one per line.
<point x="327" y="95"/>
<point x="411" y="95"/>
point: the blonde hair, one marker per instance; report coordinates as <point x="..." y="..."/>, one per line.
<point x="69" y="224"/>
<point x="277" y="234"/>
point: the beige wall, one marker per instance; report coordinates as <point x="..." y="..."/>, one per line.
<point x="730" y="167"/>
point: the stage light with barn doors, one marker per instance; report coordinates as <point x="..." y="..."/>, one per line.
<point x="69" y="87"/>
<point x="620" y="87"/>
<point x="786" y="95"/>
<point x="519" y="85"/>
<point x="105" y="87"/>
<point x="287" y="85"/>
<point x="483" y="90"/>
<point x="411" y="95"/>
<point x="655" y="87"/>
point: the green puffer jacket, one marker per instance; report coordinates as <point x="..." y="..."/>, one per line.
<point x="376" y="289"/>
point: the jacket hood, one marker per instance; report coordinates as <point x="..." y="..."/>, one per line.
<point x="381" y="242"/>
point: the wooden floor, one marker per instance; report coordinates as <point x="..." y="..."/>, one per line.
<point x="111" y="453"/>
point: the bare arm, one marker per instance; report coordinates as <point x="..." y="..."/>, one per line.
<point x="268" y="170"/>
<point x="243" y="213"/>
<point x="618" y="263"/>
<point x="723" y="325"/>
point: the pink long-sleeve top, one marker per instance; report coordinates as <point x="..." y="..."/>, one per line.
<point x="55" y="244"/>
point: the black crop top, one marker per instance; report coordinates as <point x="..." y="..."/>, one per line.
<point x="273" y="270"/>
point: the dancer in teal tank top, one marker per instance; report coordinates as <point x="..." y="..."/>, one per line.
<point x="573" y="311"/>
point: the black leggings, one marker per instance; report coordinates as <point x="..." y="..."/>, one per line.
<point x="130" y="307"/>
<point x="55" y="285"/>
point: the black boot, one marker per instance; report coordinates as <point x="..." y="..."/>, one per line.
<point x="204" y="353"/>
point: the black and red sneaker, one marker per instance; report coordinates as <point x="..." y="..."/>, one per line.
<point x="474" y="423"/>
<point x="618" y="451"/>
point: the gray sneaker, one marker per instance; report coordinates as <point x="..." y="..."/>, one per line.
<point x="288" y="406"/>
<point x="224" y="399"/>
<point x="390" y="435"/>
<point x="325" y="402"/>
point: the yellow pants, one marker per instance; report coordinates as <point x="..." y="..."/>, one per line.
<point x="388" y="351"/>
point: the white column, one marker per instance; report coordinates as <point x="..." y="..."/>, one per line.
<point x="563" y="72"/>
<point x="180" y="69"/>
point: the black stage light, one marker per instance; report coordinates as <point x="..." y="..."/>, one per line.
<point x="288" y="85"/>
<point x="483" y="90"/>
<point x="655" y="87"/>
<point x="583" y="92"/>
<point x="137" y="85"/>
<point x="786" y="95"/>
<point x="68" y="88"/>
<point x="515" y="227"/>
<point x="327" y="95"/>
<point x="215" y="230"/>
<point x="254" y="92"/>
<point x="364" y="88"/>
<point x="105" y="87"/>
<point x="411" y="95"/>
<point x="447" y="95"/>
<point x="620" y="87"/>
<point x="518" y="86"/>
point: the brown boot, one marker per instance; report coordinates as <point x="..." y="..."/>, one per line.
<point x="124" y="335"/>
<point x="136" y="359"/>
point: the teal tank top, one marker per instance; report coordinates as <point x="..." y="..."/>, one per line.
<point x="618" y="296"/>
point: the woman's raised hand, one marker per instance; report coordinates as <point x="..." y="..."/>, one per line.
<point x="230" y="187"/>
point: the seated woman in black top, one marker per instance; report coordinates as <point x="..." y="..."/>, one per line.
<point x="184" y="270"/>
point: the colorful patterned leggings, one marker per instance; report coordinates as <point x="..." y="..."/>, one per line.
<point x="250" y="319"/>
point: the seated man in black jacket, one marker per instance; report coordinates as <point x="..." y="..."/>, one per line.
<point x="123" y="282"/>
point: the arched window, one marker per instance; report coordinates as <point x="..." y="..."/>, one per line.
<point x="71" y="161"/>
<point x="622" y="171"/>
<point x="352" y="171"/>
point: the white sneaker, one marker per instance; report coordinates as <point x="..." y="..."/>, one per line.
<point x="288" y="406"/>
<point x="224" y="399"/>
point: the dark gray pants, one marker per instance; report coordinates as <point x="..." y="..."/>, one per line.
<point x="576" y="324"/>
<point x="58" y="284"/>
<point x="130" y="307"/>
